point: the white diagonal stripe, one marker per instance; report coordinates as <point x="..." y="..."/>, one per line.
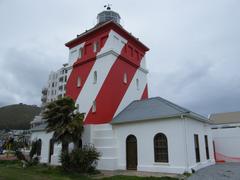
<point x="132" y="93"/>
<point x="102" y="66"/>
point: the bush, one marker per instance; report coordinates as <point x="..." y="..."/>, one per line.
<point x="81" y="160"/>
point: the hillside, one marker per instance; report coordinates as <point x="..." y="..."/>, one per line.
<point x="17" y="116"/>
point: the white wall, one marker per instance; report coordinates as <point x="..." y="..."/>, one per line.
<point x="201" y="129"/>
<point x="227" y="143"/>
<point x="145" y="132"/>
<point x="174" y="129"/>
<point x="45" y="137"/>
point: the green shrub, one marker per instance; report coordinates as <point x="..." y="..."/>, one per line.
<point x="81" y="160"/>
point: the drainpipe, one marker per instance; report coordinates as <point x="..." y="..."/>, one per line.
<point x="186" y="145"/>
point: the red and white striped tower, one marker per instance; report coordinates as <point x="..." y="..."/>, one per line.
<point x="108" y="69"/>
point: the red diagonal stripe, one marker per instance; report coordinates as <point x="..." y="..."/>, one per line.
<point x="113" y="89"/>
<point x="145" y="93"/>
<point x="83" y="66"/>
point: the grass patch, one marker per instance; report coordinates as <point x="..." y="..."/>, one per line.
<point x="12" y="170"/>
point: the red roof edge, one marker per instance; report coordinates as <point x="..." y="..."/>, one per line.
<point x="111" y="25"/>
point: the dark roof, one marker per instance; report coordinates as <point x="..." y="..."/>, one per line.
<point x="154" y="108"/>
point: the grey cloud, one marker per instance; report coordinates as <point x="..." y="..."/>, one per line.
<point x="193" y="58"/>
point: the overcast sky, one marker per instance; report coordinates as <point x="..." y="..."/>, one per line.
<point x="194" y="57"/>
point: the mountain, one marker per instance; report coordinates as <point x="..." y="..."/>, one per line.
<point x="17" y="116"/>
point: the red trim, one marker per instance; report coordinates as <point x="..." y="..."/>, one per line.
<point x="107" y="27"/>
<point x="112" y="91"/>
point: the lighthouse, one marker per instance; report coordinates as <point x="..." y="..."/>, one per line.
<point x="106" y="76"/>
<point x="108" y="69"/>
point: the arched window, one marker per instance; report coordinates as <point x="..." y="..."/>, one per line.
<point x="80" y="52"/>
<point x="160" y="148"/>
<point x="95" y="77"/>
<point x="95" y="46"/>
<point x="125" y="78"/>
<point x="137" y="83"/>
<point x="79" y="81"/>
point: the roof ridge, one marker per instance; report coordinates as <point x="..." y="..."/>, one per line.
<point x="173" y="105"/>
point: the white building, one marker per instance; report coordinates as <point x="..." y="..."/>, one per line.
<point x="108" y="82"/>
<point x="226" y="136"/>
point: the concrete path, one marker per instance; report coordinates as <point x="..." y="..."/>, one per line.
<point x="223" y="171"/>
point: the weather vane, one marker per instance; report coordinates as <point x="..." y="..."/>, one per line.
<point x="108" y="6"/>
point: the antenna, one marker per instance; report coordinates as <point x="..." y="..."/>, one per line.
<point x="108" y="6"/>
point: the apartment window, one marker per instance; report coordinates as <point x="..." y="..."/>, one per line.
<point x="65" y="78"/>
<point x="94" y="108"/>
<point x="79" y="81"/>
<point x="95" y="46"/>
<point x="80" y="52"/>
<point x="206" y="146"/>
<point x="125" y="78"/>
<point x="95" y="77"/>
<point x="53" y="84"/>
<point x="197" y="149"/>
<point x="137" y="83"/>
<point x="61" y="79"/>
<point x="60" y="88"/>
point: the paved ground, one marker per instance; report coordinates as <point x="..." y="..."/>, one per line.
<point x="224" y="171"/>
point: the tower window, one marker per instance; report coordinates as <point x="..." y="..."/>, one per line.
<point x="95" y="46"/>
<point x="137" y="83"/>
<point x="79" y="81"/>
<point x="80" y="52"/>
<point x="95" y="77"/>
<point x="125" y="78"/>
<point x="94" y="108"/>
<point x="77" y="107"/>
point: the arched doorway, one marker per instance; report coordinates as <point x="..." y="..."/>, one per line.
<point x="131" y="152"/>
<point x="39" y="147"/>
<point x="51" y="150"/>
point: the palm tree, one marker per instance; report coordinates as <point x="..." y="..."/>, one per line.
<point x="64" y="121"/>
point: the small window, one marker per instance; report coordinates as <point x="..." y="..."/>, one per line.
<point x="95" y="77"/>
<point x="80" y="53"/>
<point x="79" y="81"/>
<point x="137" y="83"/>
<point x="125" y="78"/>
<point x="206" y="146"/>
<point x="94" y="108"/>
<point x="95" y="46"/>
<point x="197" y="149"/>
<point x="65" y="78"/>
